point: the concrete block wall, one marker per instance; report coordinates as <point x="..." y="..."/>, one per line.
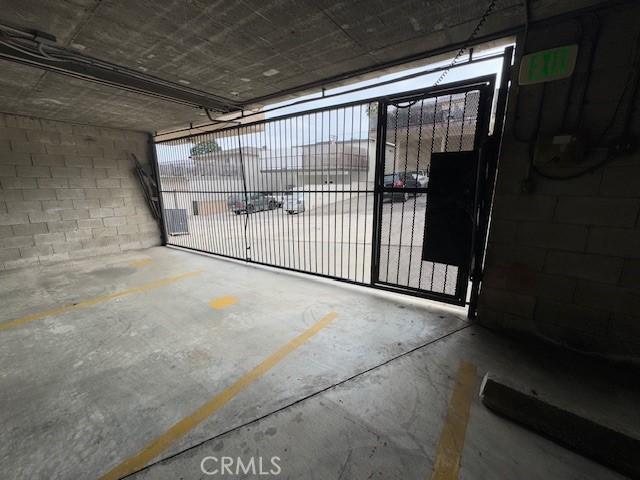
<point x="69" y="191"/>
<point x="563" y="260"/>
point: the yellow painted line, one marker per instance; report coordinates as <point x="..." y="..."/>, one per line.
<point x="140" y="263"/>
<point x="94" y="301"/>
<point x="223" y="302"/>
<point x="184" y="426"/>
<point x="449" y="452"/>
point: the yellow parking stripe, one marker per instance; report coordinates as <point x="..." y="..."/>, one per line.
<point x="140" y="263"/>
<point x="184" y="426"/>
<point x="94" y="301"/>
<point x="449" y="452"/>
<point x="223" y="302"/>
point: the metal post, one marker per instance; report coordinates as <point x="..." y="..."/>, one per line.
<point x="156" y="171"/>
<point x="381" y="133"/>
<point x="491" y="152"/>
<point x="246" y="199"/>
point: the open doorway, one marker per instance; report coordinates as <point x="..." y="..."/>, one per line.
<point x="340" y="184"/>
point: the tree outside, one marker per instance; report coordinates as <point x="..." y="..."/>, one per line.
<point x="209" y="146"/>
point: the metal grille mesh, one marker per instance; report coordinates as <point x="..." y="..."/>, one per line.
<point x="414" y="131"/>
<point x="295" y="192"/>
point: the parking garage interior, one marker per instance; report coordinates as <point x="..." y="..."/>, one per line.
<point x="334" y="240"/>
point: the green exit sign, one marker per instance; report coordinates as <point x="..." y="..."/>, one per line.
<point x="548" y="65"/>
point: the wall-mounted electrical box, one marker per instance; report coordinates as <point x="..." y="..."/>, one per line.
<point x="565" y="149"/>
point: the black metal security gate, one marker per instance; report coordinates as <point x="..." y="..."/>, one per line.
<point x="427" y="182"/>
<point x="382" y="193"/>
<point x="293" y="192"/>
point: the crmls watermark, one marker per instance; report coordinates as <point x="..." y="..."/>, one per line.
<point x="238" y="466"/>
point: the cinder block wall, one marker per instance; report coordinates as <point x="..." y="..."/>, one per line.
<point x="69" y="191"/>
<point x="563" y="260"/>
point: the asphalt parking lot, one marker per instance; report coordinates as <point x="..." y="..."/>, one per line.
<point x="331" y="237"/>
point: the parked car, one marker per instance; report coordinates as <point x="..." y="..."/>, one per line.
<point x="420" y="176"/>
<point x="273" y="201"/>
<point x="294" y="203"/>
<point x="399" y="180"/>
<point x="280" y="199"/>
<point x="255" y="202"/>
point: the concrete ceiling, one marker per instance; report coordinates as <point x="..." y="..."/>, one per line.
<point x="229" y="48"/>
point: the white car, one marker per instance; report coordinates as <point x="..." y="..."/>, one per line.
<point x="294" y="203"/>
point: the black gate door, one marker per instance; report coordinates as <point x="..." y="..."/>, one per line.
<point x="383" y="192"/>
<point x="426" y="190"/>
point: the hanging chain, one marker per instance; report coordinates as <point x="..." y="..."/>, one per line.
<point x="465" y="46"/>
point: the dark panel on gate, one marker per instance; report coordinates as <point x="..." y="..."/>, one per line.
<point x="449" y="214"/>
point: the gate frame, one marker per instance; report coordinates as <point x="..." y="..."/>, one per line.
<point x="476" y="269"/>
<point x="486" y="86"/>
<point x="489" y="157"/>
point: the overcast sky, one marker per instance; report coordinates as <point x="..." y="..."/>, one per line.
<point x="340" y="124"/>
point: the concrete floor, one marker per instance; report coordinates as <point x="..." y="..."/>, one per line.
<point x="83" y="389"/>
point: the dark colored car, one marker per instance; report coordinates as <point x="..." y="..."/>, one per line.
<point x="420" y="176"/>
<point x="254" y="202"/>
<point x="399" y="180"/>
